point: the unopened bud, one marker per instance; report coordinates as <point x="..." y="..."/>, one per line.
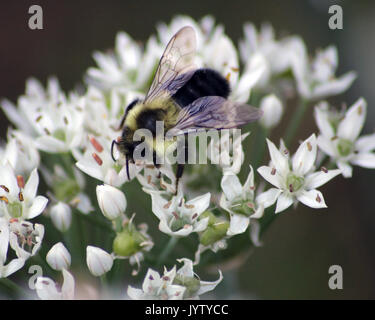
<point x="61" y="216"/>
<point x="98" y="261"/>
<point x="272" y="111"/>
<point x="112" y="201"/>
<point x="58" y="257"/>
<point x="128" y="241"/>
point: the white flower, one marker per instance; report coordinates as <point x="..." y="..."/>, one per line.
<point x="112" y="202"/>
<point x="17" y="199"/>
<point x="128" y="66"/>
<point x="340" y="140"/>
<point x="61" y="216"/>
<point x="98" y="261"/>
<point x="294" y="180"/>
<point x="46" y="288"/>
<point x="54" y="120"/>
<point x="177" y="217"/>
<point x="239" y="201"/>
<point x="227" y="151"/>
<point x="274" y="55"/>
<point x="58" y="257"/>
<point x="173" y="285"/>
<point x="272" y="111"/>
<point x="97" y="162"/>
<point x="160" y="179"/>
<point x="25" y="238"/>
<point x="15" y="264"/>
<point x="317" y="79"/>
<point x="20" y="152"/>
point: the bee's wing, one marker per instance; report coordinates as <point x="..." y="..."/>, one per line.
<point x="176" y="65"/>
<point x="213" y="112"/>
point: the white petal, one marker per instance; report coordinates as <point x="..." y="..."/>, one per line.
<point x="283" y="202"/>
<point x="46" y="289"/>
<point x="334" y="87"/>
<point x="268" y="198"/>
<point x="326" y="145"/>
<point x="206" y="286"/>
<point x="152" y="277"/>
<point x="346" y="169"/>
<point x="365" y="143"/>
<point x="279" y="161"/>
<point x="304" y="158"/>
<point x="187" y="269"/>
<point x="317" y="179"/>
<point x="248" y="187"/>
<point x="12" y="267"/>
<point x="267" y="173"/>
<point x="134" y="293"/>
<point x="50" y="144"/>
<point x="200" y="203"/>
<point x="238" y="224"/>
<point x="4" y="240"/>
<point x="31" y="185"/>
<point x="312" y="198"/>
<point x="322" y="121"/>
<point x="231" y="186"/>
<point x="67" y="289"/>
<point x="37" y="207"/>
<point x="365" y="160"/>
<point x="350" y="127"/>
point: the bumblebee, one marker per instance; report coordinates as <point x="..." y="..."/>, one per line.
<point x="185" y="98"/>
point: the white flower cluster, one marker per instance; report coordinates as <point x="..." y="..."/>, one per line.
<point x="68" y="138"/>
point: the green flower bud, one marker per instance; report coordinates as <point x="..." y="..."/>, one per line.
<point x="128" y="241"/>
<point x="191" y="284"/>
<point x="66" y="190"/>
<point x="216" y="229"/>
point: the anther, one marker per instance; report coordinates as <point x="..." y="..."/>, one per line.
<point x="273" y="171"/>
<point x="148" y="179"/>
<point x="98" y="160"/>
<point x="228" y="76"/>
<point x="194" y="216"/>
<point x="5" y="199"/>
<point x="47" y="131"/>
<point x="334" y="138"/>
<point x="291" y="188"/>
<point x="175" y="215"/>
<point x="66" y="120"/>
<point x="234" y="69"/>
<point x="250" y="205"/>
<point x="151" y="277"/>
<point x="360" y="110"/>
<point x="4" y="188"/>
<point x="309" y="146"/>
<point x="167" y="205"/>
<point x="98" y="147"/>
<point x="39" y="118"/>
<point x="20" y="181"/>
<point x="20" y="196"/>
<point x="324" y="169"/>
<point x="163" y="186"/>
<point x="189" y="206"/>
<point x="318" y="199"/>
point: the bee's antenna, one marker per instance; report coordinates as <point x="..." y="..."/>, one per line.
<point x="114" y="142"/>
<point x="127" y="167"/>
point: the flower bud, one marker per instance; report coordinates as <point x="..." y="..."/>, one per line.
<point x="272" y="111"/>
<point x="98" y="261"/>
<point x="215" y="231"/>
<point x="111" y="201"/>
<point x="58" y="257"/>
<point x="61" y="216"/>
<point x="128" y="241"/>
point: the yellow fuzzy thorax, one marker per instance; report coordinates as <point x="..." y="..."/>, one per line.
<point x="170" y="108"/>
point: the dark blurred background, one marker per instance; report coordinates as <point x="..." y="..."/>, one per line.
<point x="301" y="245"/>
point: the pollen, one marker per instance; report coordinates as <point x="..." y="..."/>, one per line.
<point x="20" y="181"/>
<point x="309" y="146"/>
<point x="98" y="160"/>
<point x="5" y="199"/>
<point x="167" y="205"/>
<point x="228" y="76"/>
<point x="4" y="188"/>
<point x="95" y="143"/>
<point x="20" y="196"/>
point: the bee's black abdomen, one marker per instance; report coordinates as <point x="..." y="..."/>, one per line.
<point x="203" y="83"/>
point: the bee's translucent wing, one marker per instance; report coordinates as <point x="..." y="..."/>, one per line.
<point x="213" y="112"/>
<point x="176" y="65"/>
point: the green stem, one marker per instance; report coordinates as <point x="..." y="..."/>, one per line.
<point x="167" y="250"/>
<point x="13" y="287"/>
<point x="259" y="145"/>
<point x="94" y="220"/>
<point x="295" y="122"/>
